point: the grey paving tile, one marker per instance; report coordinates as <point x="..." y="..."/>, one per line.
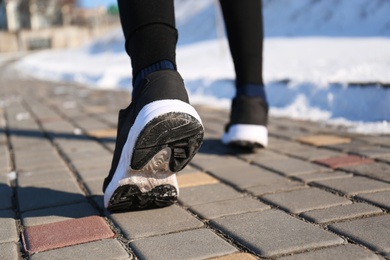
<point x="209" y="162"/>
<point x="9" y="251"/>
<point x="345" y="252"/>
<point x="258" y="231"/>
<point x="340" y="213"/>
<point x="97" y="173"/>
<point x="354" y="185"/>
<point x="375" y="170"/>
<point x="372" y="152"/>
<point x="228" y="207"/>
<point x="193" y="244"/>
<point x="307" y="178"/>
<point x="5" y="193"/>
<point x="92" y="164"/>
<point x="293" y="167"/>
<point x="8" y="230"/>
<point x="372" y="232"/>
<point x="275" y="184"/>
<point x="314" y="154"/>
<point x="244" y="175"/>
<point x="188" y="170"/>
<point x="103" y="249"/>
<point x="348" y="147"/>
<point x="382" y="199"/>
<point x="305" y="199"/>
<point x="37" y="177"/>
<point x="55" y="214"/>
<point x="206" y="194"/>
<point x="138" y="224"/>
<point x="94" y="186"/>
<point x="49" y="195"/>
<point x="262" y="155"/>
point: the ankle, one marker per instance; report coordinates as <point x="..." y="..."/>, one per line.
<point x="252" y="90"/>
<point x="160" y="65"/>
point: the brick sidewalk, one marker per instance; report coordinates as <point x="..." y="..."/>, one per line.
<point x="317" y="191"/>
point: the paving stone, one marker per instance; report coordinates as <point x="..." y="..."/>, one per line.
<point x="209" y="162"/>
<point x="189" y="170"/>
<point x="348" y="147"/>
<point x="94" y="186"/>
<point x="195" y="179"/>
<point x="56" y="214"/>
<point x="49" y="195"/>
<point x="206" y="194"/>
<point x="138" y="224"/>
<point x="262" y="155"/>
<point x="8" y="231"/>
<point x="37" y="177"/>
<point x="354" y="185"/>
<point x="312" y="154"/>
<point x="345" y="252"/>
<point x="348" y="160"/>
<point x="307" y="178"/>
<point x="65" y="233"/>
<point x="372" y="232"/>
<point x="241" y="256"/>
<point x="97" y="173"/>
<point x="322" y="140"/>
<point x="340" y="213"/>
<point x="374" y="170"/>
<point x="9" y="251"/>
<point x="103" y="133"/>
<point x="92" y="164"/>
<point x="228" y="207"/>
<point x="372" y="152"/>
<point x="244" y="176"/>
<point x="103" y="249"/>
<point x="305" y="199"/>
<point x="5" y="194"/>
<point x="379" y="140"/>
<point x="382" y="199"/>
<point x="275" y="184"/>
<point x="293" y="167"/>
<point x="383" y="157"/>
<point x="291" y="234"/>
<point x="194" y="244"/>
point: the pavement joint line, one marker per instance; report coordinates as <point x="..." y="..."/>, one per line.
<point x="13" y="184"/>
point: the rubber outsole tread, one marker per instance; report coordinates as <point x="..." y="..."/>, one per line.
<point x="181" y="132"/>
<point x="129" y="197"/>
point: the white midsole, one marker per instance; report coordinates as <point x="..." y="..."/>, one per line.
<point x="248" y="133"/>
<point x="143" y="179"/>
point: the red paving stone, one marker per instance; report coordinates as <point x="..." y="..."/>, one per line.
<point x="337" y="162"/>
<point x="65" y="233"/>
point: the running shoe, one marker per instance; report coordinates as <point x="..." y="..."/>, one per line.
<point x="158" y="134"/>
<point x="248" y="123"/>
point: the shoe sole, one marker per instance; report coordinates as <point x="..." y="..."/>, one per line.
<point x="250" y="136"/>
<point x="164" y="143"/>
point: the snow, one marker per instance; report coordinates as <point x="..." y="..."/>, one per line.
<point x="308" y="66"/>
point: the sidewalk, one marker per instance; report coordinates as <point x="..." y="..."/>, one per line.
<point x="317" y="191"/>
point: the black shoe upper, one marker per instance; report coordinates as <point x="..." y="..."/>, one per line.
<point x="160" y="85"/>
<point x="248" y="110"/>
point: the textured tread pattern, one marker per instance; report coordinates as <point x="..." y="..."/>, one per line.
<point x="129" y="197"/>
<point x="181" y="132"/>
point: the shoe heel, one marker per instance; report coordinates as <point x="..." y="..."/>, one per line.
<point x="181" y="132"/>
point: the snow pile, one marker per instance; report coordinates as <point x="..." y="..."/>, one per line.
<point x="348" y="43"/>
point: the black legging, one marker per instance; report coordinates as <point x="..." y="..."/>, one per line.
<point x="151" y="35"/>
